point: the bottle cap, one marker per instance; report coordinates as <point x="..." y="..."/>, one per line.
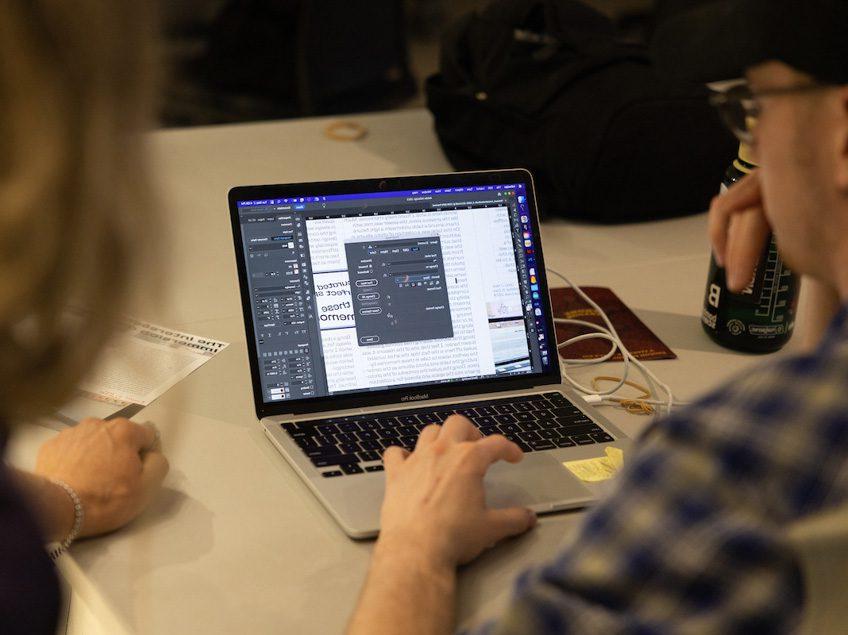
<point x="745" y="163"/>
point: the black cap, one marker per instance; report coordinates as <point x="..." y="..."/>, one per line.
<point x="720" y="40"/>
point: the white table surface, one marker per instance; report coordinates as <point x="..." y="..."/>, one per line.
<point x="235" y="542"/>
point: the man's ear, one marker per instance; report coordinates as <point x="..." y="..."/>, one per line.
<point x="841" y="171"/>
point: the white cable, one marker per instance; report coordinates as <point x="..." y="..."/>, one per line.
<point x="609" y="334"/>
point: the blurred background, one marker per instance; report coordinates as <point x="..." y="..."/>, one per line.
<point x="245" y="60"/>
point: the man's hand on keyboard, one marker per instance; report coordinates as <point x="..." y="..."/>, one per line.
<point x="435" y="503"/>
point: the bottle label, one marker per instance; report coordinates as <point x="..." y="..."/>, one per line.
<point x="714" y="295"/>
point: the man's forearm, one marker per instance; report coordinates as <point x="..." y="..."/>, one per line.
<point x="405" y="593"/>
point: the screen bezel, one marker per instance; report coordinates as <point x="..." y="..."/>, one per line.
<point x="390" y="395"/>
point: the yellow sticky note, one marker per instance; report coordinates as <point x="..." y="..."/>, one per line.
<point x="616" y="457"/>
<point x="601" y="468"/>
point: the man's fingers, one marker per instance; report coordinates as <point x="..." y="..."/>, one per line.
<point x="459" y="428"/>
<point x="746" y="194"/>
<point x="747" y="236"/>
<point x="394" y="456"/>
<point x="428" y="435"/>
<point x="492" y="449"/>
<point x="509" y="522"/>
<point x="719" y="220"/>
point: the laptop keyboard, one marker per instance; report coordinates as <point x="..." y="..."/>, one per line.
<point x="354" y="445"/>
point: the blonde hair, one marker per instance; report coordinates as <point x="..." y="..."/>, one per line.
<point x="75" y="94"/>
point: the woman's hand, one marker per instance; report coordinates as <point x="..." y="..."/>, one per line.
<point x="116" y="467"/>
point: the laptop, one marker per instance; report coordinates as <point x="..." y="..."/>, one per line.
<point x="376" y="307"/>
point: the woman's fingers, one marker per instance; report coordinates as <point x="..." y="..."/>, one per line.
<point x="154" y="468"/>
<point x="140" y="437"/>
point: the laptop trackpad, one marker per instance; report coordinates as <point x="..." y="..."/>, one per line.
<point x="540" y="481"/>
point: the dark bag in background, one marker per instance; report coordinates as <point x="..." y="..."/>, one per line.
<point x="546" y="85"/>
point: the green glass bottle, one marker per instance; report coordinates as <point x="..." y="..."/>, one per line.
<point x="761" y="318"/>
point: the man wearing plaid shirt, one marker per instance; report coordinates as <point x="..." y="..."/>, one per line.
<point x="692" y="539"/>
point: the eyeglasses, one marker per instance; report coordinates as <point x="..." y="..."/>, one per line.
<point x="739" y="107"/>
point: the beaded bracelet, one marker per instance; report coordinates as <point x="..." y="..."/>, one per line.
<point x="55" y="549"/>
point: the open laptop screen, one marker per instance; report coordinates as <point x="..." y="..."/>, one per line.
<point x="362" y="292"/>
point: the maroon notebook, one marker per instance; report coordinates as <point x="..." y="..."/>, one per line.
<point x="637" y="337"/>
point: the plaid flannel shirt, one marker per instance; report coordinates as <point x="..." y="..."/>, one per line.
<point x="691" y="540"/>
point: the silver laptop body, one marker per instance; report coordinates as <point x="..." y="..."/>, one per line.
<point x="345" y="281"/>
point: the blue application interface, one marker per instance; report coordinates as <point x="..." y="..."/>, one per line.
<point x="361" y="292"/>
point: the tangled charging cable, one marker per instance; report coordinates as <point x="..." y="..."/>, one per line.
<point x="640" y="405"/>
